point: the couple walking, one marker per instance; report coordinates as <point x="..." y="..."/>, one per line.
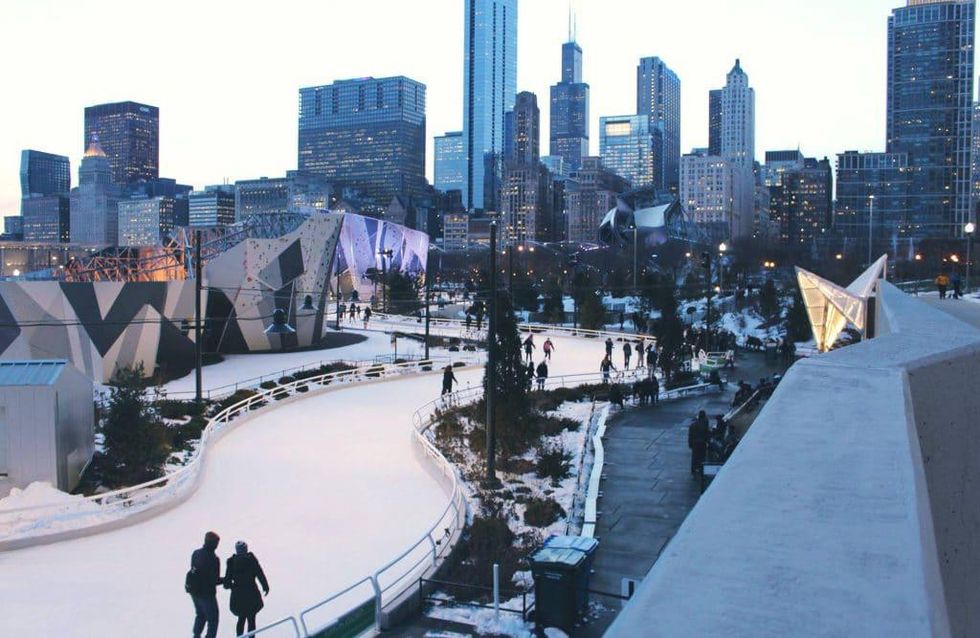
<point x="241" y="572"/>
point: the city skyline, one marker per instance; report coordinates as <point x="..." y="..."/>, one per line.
<point x="800" y="78"/>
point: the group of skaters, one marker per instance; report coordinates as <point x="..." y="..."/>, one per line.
<point x="646" y="356"/>
<point x="242" y="570"/>
<point x="537" y="374"/>
<point x="474" y="314"/>
<point x="355" y="313"/>
<point x="943" y="283"/>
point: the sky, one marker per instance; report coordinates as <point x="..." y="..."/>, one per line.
<point x="226" y="73"/>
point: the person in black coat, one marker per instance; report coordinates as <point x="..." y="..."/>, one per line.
<point x="697" y="439"/>
<point x="204" y="579"/>
<point x="240" y="574"/>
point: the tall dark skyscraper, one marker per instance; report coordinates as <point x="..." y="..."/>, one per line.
<point x="489" y="91"/>
<point x="129" y="133"/>
<point x="526" y="194"/>
<point x="930" y="100"/>
<point x="570" y="110"/>
<point x="44" y="174"/>
<point x="714" y="122"/>
<point x="658" y="96"/>
<point x="367" y="134"/>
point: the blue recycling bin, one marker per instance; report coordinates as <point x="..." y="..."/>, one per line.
<point x="561" y="571"/>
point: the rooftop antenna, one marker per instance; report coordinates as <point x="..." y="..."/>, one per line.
<point x="571" y="37"/>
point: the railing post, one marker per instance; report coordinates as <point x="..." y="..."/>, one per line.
<point x="377" y="602"/>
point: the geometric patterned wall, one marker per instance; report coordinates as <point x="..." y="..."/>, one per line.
<point x="102" y="325"/>
<point x="99" y="326"/>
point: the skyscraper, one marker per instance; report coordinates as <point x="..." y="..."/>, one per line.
<point x="46" y="218"/>
<point x="708" y="194"/>
<point x="144" y="221"/>
<point x="733" y="111"/>
<point x="129" y="133"/>
<point x="450" y="162"/>
<point x="489" y="91"/>
<point x="714" y="122"/>
<point x="570" y="109"/>
<point x="632" y="147"/>
<point x="590" y="193"/>
<point x="94" y="211"/>
<point x="930" y="104"/>
<point x="801" y="203"/>
<point x="658" y="96"/>
<point x="279" y="195"/>
<point x="44" y="174"/>
<point x="214" y="206"/>
<point x="526" y="198"/>
<point x="886" y="176"/>
<point x="367" y="133"/>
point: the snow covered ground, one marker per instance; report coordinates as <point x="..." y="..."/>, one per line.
<point x="325" y="490"/>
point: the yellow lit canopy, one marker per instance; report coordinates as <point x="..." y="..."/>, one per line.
<point x="831" y="307"/>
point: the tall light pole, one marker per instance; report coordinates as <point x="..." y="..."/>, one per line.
<point x="969" y="229"/>
<point x="871" y="225"/>
<point x="198" y="382"/>
<point x="636" y="266"/>
<point x="490" y="394"/>
<point x="722" y="249"/>
<point x="428" y="300"/>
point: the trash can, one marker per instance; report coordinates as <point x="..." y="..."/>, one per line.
<point x="561" y="570"/>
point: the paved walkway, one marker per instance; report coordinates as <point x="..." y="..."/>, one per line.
<point x="964" y="310"/>
<point x="647" y="488"/>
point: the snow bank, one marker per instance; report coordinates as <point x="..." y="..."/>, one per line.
<point x="73" y="511"/>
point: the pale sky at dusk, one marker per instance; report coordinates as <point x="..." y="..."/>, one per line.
<point x="226" y="74"/>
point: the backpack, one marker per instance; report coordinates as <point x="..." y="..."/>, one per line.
<point x="191" y="581"/>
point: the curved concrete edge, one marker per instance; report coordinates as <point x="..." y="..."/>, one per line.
<point x="851" y="508"/>
<point x="185" y="492"/>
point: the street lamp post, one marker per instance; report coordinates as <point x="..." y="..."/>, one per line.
<point x="428" y="303"/>
<point x="969" y="230"/>
<point x="385" y="255"/>
<point x="490" y="394"/>
<point x="636" y="263"/>
<point x="198" y="382"/>
<point x="871" y="223"/>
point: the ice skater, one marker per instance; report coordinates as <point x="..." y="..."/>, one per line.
<point x="448" y="379"/>
<point x="529" y="347"/>
<point x="548" y="348"/>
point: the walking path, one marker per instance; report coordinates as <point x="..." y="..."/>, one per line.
<point x="647" y="489"/>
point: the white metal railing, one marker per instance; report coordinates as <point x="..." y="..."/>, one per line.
<point x="110" y="508"/>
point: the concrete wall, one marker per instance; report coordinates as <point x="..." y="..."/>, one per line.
<point x="851" y="508"/>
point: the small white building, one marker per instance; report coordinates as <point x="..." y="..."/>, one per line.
<point x="47" y="424"/>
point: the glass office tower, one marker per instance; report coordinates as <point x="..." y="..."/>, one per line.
<point x="658" y="96"/>
<point x="44" y="174"/>
<point x="489" y="91"/>
<point x="930" y="103"/>
<point x="570" y="110"/>
<point x="367" y="133"/>
<point x="450" y="164"/>
<point x="129" y="133"/>
<point x="631" y="147"/>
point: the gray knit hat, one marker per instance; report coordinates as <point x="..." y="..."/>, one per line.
<point x="241" y="547"/>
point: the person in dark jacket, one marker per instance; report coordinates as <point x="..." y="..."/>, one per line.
<point x="609" y="347"/>
<point x="697" y="439"/>
<point x="240" y="574"/>
<point x="448" y="379"/>
<point x="654" y="390"/>
<point x="207" y="576"/>
<point x="542" y="374"/>
<point x="627" y="354"/>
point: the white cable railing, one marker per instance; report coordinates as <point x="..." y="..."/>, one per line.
<point x="44" y="523"/>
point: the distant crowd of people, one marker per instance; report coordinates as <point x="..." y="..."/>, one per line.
<point x="354" y="313"/>
<point x="242" y="570"/>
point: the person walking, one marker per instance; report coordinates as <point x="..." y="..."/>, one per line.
<point x="548" y="348"/>
<point x="654" y="390"/>
<point x="448" y="379"/>
<point x="202" y="582"/>
<point x="529" y="375"/>
<point x="640" y="347"/>
<point x="627" y="355"/>
<point x="469" y="321"/>
<point x="697" y="441"/>
<point x="241" y="572"/>
<point x="652" y="360"/>
<point x="529" y="348"/>
<point x="542" y="374"/>
<point x="942" y="283"/>
<point x="730" y="359"/>
<point x="353" y="311"/>
<point x="957" y="286"/>
<point x="605" y="367"/>
<point x="609" y="347"/>
<point x="367" y="316"/>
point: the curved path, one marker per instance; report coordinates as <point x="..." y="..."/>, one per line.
<point x="325" y="489"/>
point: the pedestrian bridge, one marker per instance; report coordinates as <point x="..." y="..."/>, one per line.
<point x="852" y="506"/>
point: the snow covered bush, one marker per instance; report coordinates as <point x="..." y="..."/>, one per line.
<point x="542" y="512"/>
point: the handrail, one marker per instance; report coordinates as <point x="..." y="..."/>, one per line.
<point x="140" y="498"/>
<point x="282" y="621"/>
